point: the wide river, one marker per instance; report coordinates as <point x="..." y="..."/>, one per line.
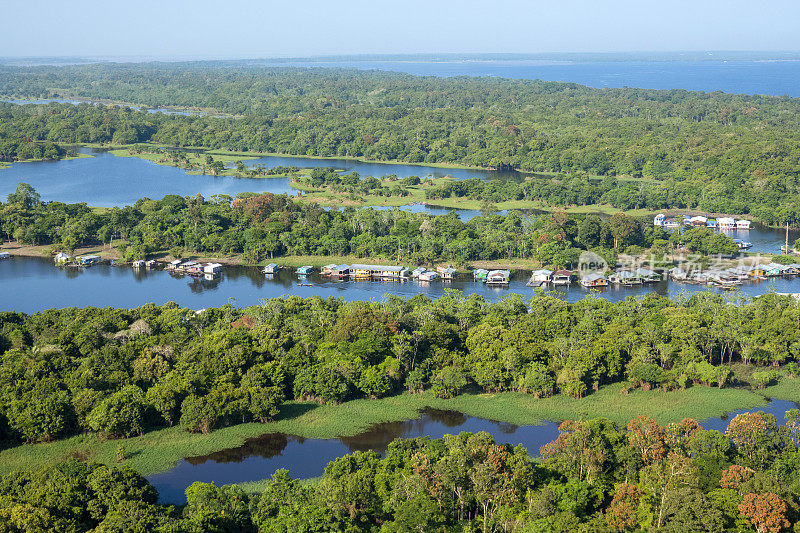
<point x="304" y="458"/>
<point x="774" y="75"/>
<point x="30" y="284"/>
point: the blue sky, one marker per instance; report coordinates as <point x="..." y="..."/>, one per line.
<point x="236" y="28"/>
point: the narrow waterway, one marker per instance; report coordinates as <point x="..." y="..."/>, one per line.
<point x="258" y="458"/>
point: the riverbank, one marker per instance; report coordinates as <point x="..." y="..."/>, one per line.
<point x="158" y="451"/>
<point x="290" y="261"/>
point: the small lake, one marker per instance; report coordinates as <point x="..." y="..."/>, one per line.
<point x="32" y="284"/>
<point x="258" y="458"/>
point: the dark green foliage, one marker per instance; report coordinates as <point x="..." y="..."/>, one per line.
<point x="713" y="151"/>
<point x="591" y="478"/>
<point x="119" y="372"/>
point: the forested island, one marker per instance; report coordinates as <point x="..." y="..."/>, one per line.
<point x="257" y="227"/>
<point x="711" y="151"/>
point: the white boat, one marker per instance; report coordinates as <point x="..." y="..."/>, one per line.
<point x="659" y="219"/>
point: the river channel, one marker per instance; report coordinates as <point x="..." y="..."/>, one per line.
<point x="32" y="284"/>
<point x="258" y="458"/>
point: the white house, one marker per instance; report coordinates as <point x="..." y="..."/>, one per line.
<point x="212" y="268"/>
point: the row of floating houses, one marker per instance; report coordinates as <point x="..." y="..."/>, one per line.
<point x="734" y="276"/>
<point x="721" y="223"/>
<point x="723" y="278"/>
<point x="700" y="222"/>
<point x="361" y="272"/>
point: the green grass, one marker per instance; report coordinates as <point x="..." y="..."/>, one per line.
<point x="159" y="450"/>
<point x="786" y="389"/>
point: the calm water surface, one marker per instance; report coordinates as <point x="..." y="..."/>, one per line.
<point x="106" y="180"/>
<point x="30" y="284"/>
<point x="258" y="458"/>
<point x="732" y="76"/>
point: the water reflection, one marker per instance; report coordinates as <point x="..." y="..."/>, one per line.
<point x="259" y="457"/>
<point x="32" y="284"/>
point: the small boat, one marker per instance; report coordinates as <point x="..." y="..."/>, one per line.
<point x="5" y="255"/>
<point x="743" y="245"/>
<point x="299" y="284"/>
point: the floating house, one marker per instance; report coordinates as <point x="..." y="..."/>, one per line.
<point x="212" y="269"/>
<point x="711" y="223"/>
<point x="698" y="222"/>
<point x="687" y="220"/>
<point x="448" y="274"/>
<point x="678" y="274"/>
<point x="191" y="267"/>
<point x="562" y="277"/>
<point x="671" y="223"/>
<point x="772" y="270"/>
<point x="723" y="278"/>
<point x="305" y="270"/>
<point x="791" y="270"/>
<point x="594" y="281"/>
<point x="88" y="260"/>
<point x="429" y="275"/>
<point x="327" y="270"/>
<point x="498" y="277"/>
<point x="625" y="277"/>
<point x="173" y="265"/>
<point x="151" y="263"/>
<point x="341" y="271"/>
<point x="543" y="275"/>
<point x="61" y="257"/>
<point x="4" y="255"/>
<point x="480" y="274"/>
<point x="271" y="268"/>
<point x="379" y="271"/>
<point x="138" y="264"/>
<point x="743" y="224"/>
<point x="726" y="223"/>
<point x="647" y="275"/>
<point x="417" y="271"/>
<point x="659" y="219"/>
<point x="757" y="271"/>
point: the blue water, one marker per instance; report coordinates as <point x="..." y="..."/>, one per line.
<point x="304" y="458"/>
<point x="105" y="180"/>
<point x="780" y="77"/>
<point x="29" y="285"/>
